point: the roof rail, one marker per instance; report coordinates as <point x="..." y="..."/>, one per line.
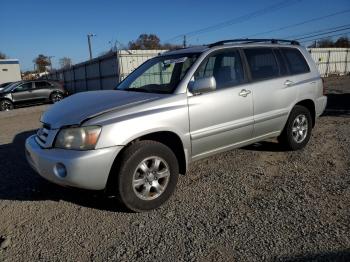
<point x="249" y="41"/>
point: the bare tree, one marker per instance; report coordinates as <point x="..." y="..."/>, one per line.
<point x="169" y="46"/>
<point x="2" y="56"/>
<point x="327" y="42"/>
<point x="342" y="42"/>
<point x="65" y="62"/>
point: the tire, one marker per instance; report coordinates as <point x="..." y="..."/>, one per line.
<point x="139" y="184"/>
<point x="6" y="105"/>
<point x="56" y="97"/>
<point x="297" y="132"/>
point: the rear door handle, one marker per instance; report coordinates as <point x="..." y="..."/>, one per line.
<point x="288" y="83"/>
<point x="244" y="92"/>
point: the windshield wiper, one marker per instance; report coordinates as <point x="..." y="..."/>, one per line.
<point x="136" y="89"/>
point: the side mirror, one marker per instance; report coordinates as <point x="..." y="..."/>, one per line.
<point x="203" y="85"/>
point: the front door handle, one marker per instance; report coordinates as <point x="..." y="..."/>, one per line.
<point x="288" y="83"/>
<point x="244" y="92"/>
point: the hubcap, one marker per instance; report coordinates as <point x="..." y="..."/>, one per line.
<point x="150" y="178"/>
<point x="5" y="106"/>
<point x="299" y="128"/>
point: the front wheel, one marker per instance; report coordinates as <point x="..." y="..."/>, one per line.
<point x="297" y="131"/>
<point x="6" y="105"/>
<point x="56" y="97"/>
<point x="147" y="175"/>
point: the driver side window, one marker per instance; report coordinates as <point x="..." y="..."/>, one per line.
<point x="23" y="87"/>
<point x="225" y="66"/>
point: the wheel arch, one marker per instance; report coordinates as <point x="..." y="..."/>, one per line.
<point x="168" y="138"/>
<point x="310" y="105"/>
<point x="56" y="91"/>
<point x="7" y="99"/>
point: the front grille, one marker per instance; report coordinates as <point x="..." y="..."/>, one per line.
<point x="45" y="136"/>
<point x="42" y="134"/>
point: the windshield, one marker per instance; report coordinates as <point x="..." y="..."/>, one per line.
<point x="10" y="86"/>
<point x="5" y="84"/>
<point x="161" y="74"/>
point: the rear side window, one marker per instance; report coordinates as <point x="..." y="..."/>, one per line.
<point x="42" y="84"/>
<point x="296" y="61"/>
<point x="262" y="63"/>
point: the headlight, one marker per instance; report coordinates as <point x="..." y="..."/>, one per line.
<point x="78" y="138"/>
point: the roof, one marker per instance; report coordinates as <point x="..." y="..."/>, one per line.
<point x="188" y="50"/>
<point x="8" y="61"/>
<point x="235" y="43"/>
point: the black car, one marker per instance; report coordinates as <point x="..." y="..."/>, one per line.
<point x="30" y="92"/>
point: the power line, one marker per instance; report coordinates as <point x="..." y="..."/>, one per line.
<point x="323" y="33"/>
<point x="313" y="32"/>
<point x="324" y="37"/>
<point x="239" y="19"/>
<point x="301" y="23"/>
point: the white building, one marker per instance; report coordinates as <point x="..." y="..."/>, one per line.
<point x="9" y="70"/>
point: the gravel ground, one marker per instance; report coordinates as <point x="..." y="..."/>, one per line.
<point x="251" y="204"/>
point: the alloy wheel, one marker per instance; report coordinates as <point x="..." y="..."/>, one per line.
<point x="300" y="128"/>
<point x="56" y="97"/>
<point x="6" y="106"/>
<point x="151" y="178"/>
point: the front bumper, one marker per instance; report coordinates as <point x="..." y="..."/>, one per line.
<point x="85" y="169"/>
<point x="321" y="104"/>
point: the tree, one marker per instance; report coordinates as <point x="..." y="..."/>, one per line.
<point x="145" y="41"/>
<point x="42" y="62"/>
<point x="2" y="56"/>
<point x="150" y="42"/>
<point x="169" y="46"/>
<point x="327" y="42"/>
<point x="65" y="62"/>
<point x="342" y="42"/>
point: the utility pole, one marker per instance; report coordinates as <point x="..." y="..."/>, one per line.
<point x="49" y="57"/>
<point x="89" y="43"/>
<point x="110" y="42"/>
<point x="184" y="42"/>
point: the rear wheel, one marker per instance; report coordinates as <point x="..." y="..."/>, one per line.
<point x="147" y="175"/>
<point x="56" y="97"/>
<point x="6" y="105"/>
<point x="297" y="131"/>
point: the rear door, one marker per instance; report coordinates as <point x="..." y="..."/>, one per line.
<point x="222" y="118"/>
<point x="273" y="91"/>
<point x="42" y="90"/>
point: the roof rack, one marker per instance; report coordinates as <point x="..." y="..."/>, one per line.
<point x="249" y="41"/>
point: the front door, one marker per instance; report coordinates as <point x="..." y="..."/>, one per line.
<point x="221" y="119"/>
<point x="23" y="93"/>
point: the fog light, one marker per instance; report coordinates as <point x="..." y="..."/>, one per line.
<point x="60" y="170"/>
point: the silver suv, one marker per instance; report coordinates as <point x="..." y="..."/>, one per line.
<point x="176" y="108"/>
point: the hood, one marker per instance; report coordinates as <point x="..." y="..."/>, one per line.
<point x="3" y="93"/>
<point x="75" y="109"/>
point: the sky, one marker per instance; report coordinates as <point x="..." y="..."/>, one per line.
<point x="59" y="28"/>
